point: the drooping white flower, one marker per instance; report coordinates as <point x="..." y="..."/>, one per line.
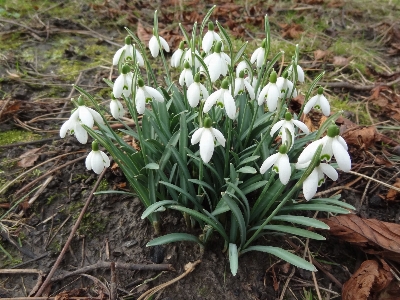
<point x="127" y="52"/>
<point x="145" y="94"/>
<point x="217" y="63"/>
<point x="186" y="76"/>
<point x="209" y="38"/>
<point x="318" y="101"/>
<point x="196" y="91"/>
<point x="123" y="84"/>
<point x="177" y="56"/>
<point x="300" y="73"/>
<point x="223" y="98"/>
<point x="155" y="47"/>
<point x="116" y="108"/>
<point x="332" y="145"/>
<point x="243" y="66"/>
<point x="206" y="136"/>
<point x="286" y="87"/>
<point x="97" y="160"/>
<point x="280" y="163"/>
<point x="316" y="178"/>
<point x="259" y="54"/>
<point x="288" y="123"/>
<point x="241" y="84"/>
<point x="188" y="56"/>
<point x="270" y="93"/>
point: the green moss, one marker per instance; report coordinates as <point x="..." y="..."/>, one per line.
<point x="345" y="104"/>
<point x="103" y="186"/>
<point x="16" y="135"/>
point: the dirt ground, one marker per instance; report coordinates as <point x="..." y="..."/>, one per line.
<point x="48" y="45"/>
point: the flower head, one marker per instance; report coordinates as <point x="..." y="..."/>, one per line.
<point x="288" y="124"/>
<point x="223" y="98"/>
<point x="320" y="102"/>
<point x="116" y="108"/>
<point x="206" y="136"/>
<point x="217" y="63"/>
<point x="177" y="56"/>
<point x="300" y="73"/>
<point x="126" y="53"/>
<point x="196" y="91"/>
<point x="123" y="84"/>
<point x="146" y="94"/>
<point x="241" y="84"/>
<point x="280" y="163"/>
<point x="209" y="38"/>
<point x="258" y="55"/>
<point x="186" y="76"/>
<point x="97" y="160"/>
<point x="155" y="47"/>
<point x="270" y="93"/>
<point x="243" y="66"/>
<point x="286" y="87"/>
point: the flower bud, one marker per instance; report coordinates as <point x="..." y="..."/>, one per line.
<point x="333" y="131"/>
<point x="273" y="77"/>
<point x="95" y="146"/>
<point x="225" y="84"/>
<point x="207" y="123"/>
<point x="125" y="69"/>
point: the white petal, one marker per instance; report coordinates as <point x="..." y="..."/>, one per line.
<point x="254" y="55"/>
<point x="211" y="100"/>
<point x="85" y="116"/>
<point x="215" y="67"/>
<point x="207" y="42"/>
<point x="88" y="161"/>
<point x="229" y="104"/>
<point x="310" y="104"/>
<point x="261" y="96"/>
<point x="197" y="135"/>
<point x="114" y="109"/>
<point x="206" y="145"/>
<point x="204" y="91"/>
<point x="303" y="127"/>
<point x="97" y="162"/>
<point x="241" y="67"/>
<point x="285" y="171"/>
<point x="154" y="93"/>
<point x="325" y="107"/>
<point x="140" y="101"/>
<point x="329" y="171"/>
<point x="260" y="58"/>
<point x="276" y="127"/>
<point x="300" y="74"/>
<point x="342" y="141"/>
<point x="269" y="162"/>
<point x="341" y="155"/>
<point x="310" y="185"/>
<point x="176" y="58"/>
<point x="106" y="160"/>
<point x="139" y="58"/>
<point x="164" y="44"/>
<point x="193" y="94"/>
<point x="250" y="89"/>
<point x="64" y="128"/>
<point x="182" y="77"/>
<point x="80" y="133"/>
<point x="117" y="55"/>
<point x="118" y="86"/>
<point x="219" y="136"/>
<point x="153" y="46"/>
<point x="188" y="77"/>
<point x="327" y="148"/>
<point x="239" y="86"/>
<point x="96" y="116"/>
<point x="272" y="97"/>
<point x="308" y="152"/>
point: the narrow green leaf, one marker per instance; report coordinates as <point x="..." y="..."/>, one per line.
<point x="315" y="207"/>
<point x="174" y="237"/>
<point x="331" y="201"/>
<point x="114" y="192"/>
<point x="248" y="159"/>
<point x="152" y="166"/>
<point x="240" y="53"/>
<point x="292" y="230"/>
<point x="239" y="217"/>
<point x="233" y="258"/>
<point x="155" y="206"/>
<point x="301" y="220"/>
<point x="177" y="188"/>
<point x="247" y="170"/>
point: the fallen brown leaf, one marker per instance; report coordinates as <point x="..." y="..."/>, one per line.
<point x="361" y="137"/>
<point x="341" y="61"/>
<point x="321" y="54"/>
<point x="143" y="34"/>
<point x="370" y="278"/>
<point x="28" y="158"/>
<point x="292" y="31"/>
<point x="393" y="194"/>
<point x="9" y="107"/>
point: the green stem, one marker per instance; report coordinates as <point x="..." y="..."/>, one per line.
<point x="228" y="148"/>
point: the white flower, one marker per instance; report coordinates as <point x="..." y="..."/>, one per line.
<point x="300" y="73"/>
<point x="97" y="160"/>
<point x="318" y="101"/>
<point x="127" y="51"/>
<point x="280" y="163"/>
<point x="272" y="91"/>
<point x="223" y="98"/>
<point x="116" y="108"/>
<point x="209" y="38"/>
<point x="258" y="55"/>
<point x="241" y="84"/>
<point x="243" y="66"/>
<point x="155" y="47"/>
<point x="206" y="136"/>
<point x="286" y="85"/>
<point x="288" y="123"/>
<point x="332" y="145"/>
<point x="316" y="178"/>
<point x="177" y="56"/>
<point x="189" y="58"/>
<point x="217" y="63"/>
<point x="145" y="94"/>
<point x="196" y="91"/>
<point x="123" y="84"/>
<point x="186" y="76"/>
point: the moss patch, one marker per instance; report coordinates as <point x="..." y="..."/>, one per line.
<point x="15" y="136"/>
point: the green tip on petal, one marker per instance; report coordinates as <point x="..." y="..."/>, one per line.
<point x="182" y="45"/>
<point x="273" y="77"/>
<point x="95" y="146"/>
<point x="112" y="96"/>
<point x="218" y="47"/>
<point x="140" y="82"/>
<point x="288" y="116"/>
<point x="125" y="69"/>
<point x="320" y="90"/>
<point x="80" y="101"/>
<point x="241" y="74"/>
<point x="207" y="122"/>
<point x="197" y="77"/>
<point x="333" y="131"/>
<point x="225" y="84"/>
<point x="203" y="54"/>
<point x="211" y="26"/>
<point x="186" y="65"/>
<point x="285" y="75"/>
<point x="128" y="40"/>
<point x="264" y="43"/>
<point x="283" y="149"/>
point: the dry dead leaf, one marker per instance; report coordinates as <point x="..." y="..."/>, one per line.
<point x="370" y="278"/>
<point x="292" y="31"/>
<point x="341" y="61"/>
<point x="28" y="158"/>
<point x="314" y="120"/>
<point x="143" y="34"/>
<point x="361" y="137"/>
<point x="321" y="54"/>
<point x="9" y="107"/>
<point x="392" y="194"/>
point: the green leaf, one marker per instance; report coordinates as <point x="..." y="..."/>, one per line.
<point x="240" y="53"/>
<point x="239" y="217"/>
<point x="285" y="255"/>
<point x="177" y="188"/>
<point x="174" y="237"/>
<point x="315" y="207"/>
<point x="233" y="258"/>
<point x="249" y="159"/>
<point x="301" y="220"/>
<point x="247" y="170"/>
<point x="292" y="230"/>
<point x="155" y="206"/>
<point x="114" y="192"/>
<point x="152" y="166"/>
<point x="333" y="202"/>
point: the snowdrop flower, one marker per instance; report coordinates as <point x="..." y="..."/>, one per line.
<point x="209" y="38"/>
<point x="97" y="160"/>
<point x="258" y="55"/>
<point x="116" y="108"/>
<point x="223" y="98"/>
<point x="177" y="56"/>
<point x="288" y="123"/>
<point x="123" y="84"/>
<point x="243" y="66"/>
<point x="189" y="58"/>
<point x="196" y="91"/>
<point x="186" y="76"/>
<point x="280" y="163"/>
<point x="272" y="91"/>
<point x="318" y="101"/>
<point x="217" y="63"/>
<point x="286" y="86"/>
<point x="241" y="84"/>
<point x="155" y="47"/>
<point x="82" y="115"/>
<point x="206" y="136"/>
<point x="300" y="73"/>
<point x="332" y="145"/>
<point x="316" y="178"/>
<point x="146" y="94"/>
<point x="127" y="52"/>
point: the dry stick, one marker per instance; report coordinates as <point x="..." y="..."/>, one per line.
<point x="378" y="181"/>
<point x="313" y="276"/>
<point x="71" y="236"/>
<point x="113" y="284"/>
<point x="189" y="268"/>
<point x="366" y="189"/>
<point x="4" y="107"/>
<point x="351" y="86"/>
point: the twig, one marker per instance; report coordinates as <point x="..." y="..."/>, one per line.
<point x="70" y="95"/>
<point x="313" y="275"/>
<point x="351" y="86"/>
<point x="4" y="107"/>
<point x="113" y="284"/>
<point x="378" y="181"/>
<point x="366" y="189"/>
<point x="71" y="236"/>
<point x="336" y="188"/>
